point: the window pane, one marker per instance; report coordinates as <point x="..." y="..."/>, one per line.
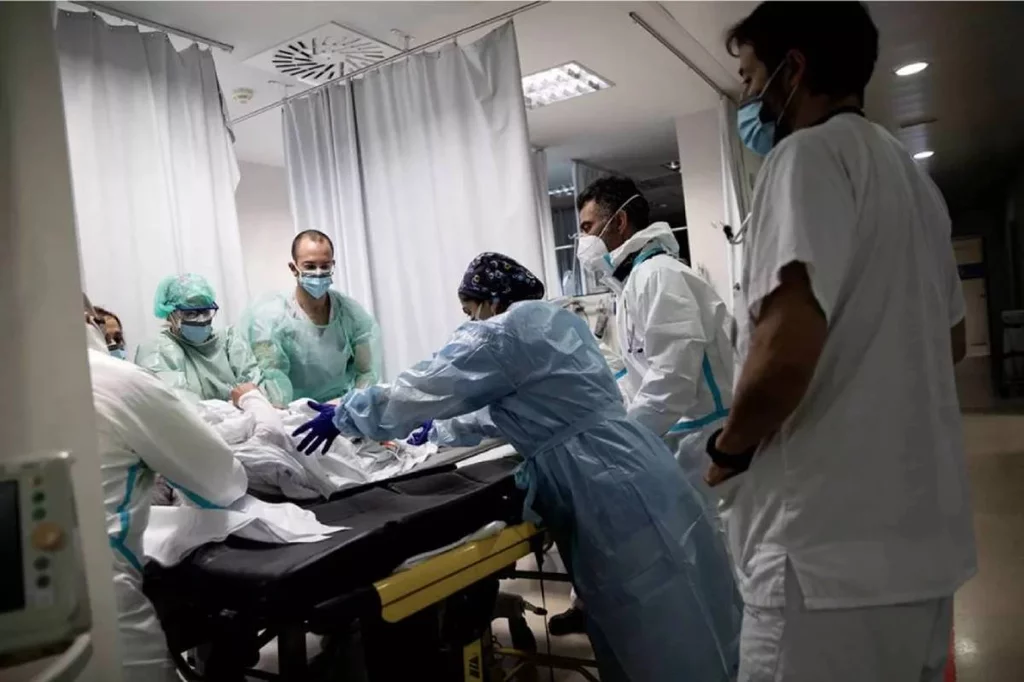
<point x="565" y="260"/>
<point x="684" y="243"/>
<point x="564" y="222"/>
<point x="585" y="284"/>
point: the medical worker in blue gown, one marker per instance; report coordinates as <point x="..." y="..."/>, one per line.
<point x="656" y="578"/>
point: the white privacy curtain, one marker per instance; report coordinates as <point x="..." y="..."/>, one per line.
<point x="152" y="167"/>
<point x="545" y="224"/>
<point x="322" y="157"/>
<point x="583" y="174"/>
<point x="444" y="162"/>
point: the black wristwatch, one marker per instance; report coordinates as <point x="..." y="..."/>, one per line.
<point x="738" y="462"/>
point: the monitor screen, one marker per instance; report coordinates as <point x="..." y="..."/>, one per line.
<point x="12" y="580"/>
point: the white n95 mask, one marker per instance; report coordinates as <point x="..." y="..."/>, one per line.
<point x="592" y="251"/>
<point x="594" y="256"/>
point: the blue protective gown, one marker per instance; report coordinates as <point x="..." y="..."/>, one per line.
<point x="654" y="574"/>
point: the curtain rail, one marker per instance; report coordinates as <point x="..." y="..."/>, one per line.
<point x="679" y="55"/>
<point x="393" y="58"/>
<point x="103" y="9"/>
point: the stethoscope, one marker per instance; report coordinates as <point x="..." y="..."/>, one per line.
<point x="630" y="348"/>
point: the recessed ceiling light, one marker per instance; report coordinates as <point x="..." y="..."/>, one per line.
<point x="242" y="95"/>
<point x="561" y="83"/>
<point x="926" y="154"/>
<point x="911" y="68"/>
<point x="672" y="165"/>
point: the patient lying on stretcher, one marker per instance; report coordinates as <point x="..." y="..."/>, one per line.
<point x="260" y="436"/>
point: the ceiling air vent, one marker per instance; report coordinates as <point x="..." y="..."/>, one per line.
<point x="323" y="54"/>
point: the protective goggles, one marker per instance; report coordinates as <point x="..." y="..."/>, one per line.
<point x="317" y="271"/>
<point x="193" y="316"/>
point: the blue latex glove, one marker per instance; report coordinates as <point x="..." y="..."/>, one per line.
<point x="422" y="434"/>
<point x="321" y="428"/>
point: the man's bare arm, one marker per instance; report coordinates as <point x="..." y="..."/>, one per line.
<point x="785" y="345"/>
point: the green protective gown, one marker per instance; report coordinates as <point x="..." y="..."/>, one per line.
<point x="310" y="361"/>
<point x="208" y="370"/>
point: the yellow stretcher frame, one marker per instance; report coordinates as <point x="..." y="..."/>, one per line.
<point x="436" y="579"/>
<point x="403" y="594"/>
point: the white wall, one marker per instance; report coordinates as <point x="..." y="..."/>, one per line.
<point x="47" y="404"/>
<point x="700" y="158"/>
<point x="265" y="225"/>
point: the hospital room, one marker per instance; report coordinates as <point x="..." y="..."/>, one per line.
<point x="511" y="341"/>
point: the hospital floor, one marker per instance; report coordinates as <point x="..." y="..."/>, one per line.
<point x="989" y="609"/>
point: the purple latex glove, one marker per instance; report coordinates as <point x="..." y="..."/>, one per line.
<point x="421" y="435"/>
<point x="321" y="428"/>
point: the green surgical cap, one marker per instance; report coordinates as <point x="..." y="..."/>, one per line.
<point x="183" y="292"/>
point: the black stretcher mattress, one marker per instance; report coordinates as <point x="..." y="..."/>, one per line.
<point x="390" y="521"/>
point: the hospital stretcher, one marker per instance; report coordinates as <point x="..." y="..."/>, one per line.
<point x="227" y="600"/>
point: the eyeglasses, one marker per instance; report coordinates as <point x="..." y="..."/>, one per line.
<point x="317" y="270"/>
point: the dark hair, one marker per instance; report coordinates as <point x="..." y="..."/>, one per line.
<point x="611" y="193"/>
<point x="838" y="39"/>
<point x="313" y="235"/>
<point x="103" y="312"/>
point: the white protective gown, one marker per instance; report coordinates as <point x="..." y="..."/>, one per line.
<point x="143" y="430"/>
<point x="673" y="333"/>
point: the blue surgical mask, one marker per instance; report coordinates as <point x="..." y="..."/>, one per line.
<point x="119" y="353"/>
<point x="316" y="285"/>
<point x="758" y="135"/>
<point x="194" y="333"/>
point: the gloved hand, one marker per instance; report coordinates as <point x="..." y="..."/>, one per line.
<point x="422" y="434"/>
<point x="321" y="429"/>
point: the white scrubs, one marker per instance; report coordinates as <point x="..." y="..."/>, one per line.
<point x="673" y="332"/>
<point x="145" y="430"/>
<point x="852" y="528"/>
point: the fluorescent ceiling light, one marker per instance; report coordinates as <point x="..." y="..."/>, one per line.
<point x="926" y="154"/>
<point x="564" y="191"/>
<point x="911" y="68"/>
<point x="561" y="83"/>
